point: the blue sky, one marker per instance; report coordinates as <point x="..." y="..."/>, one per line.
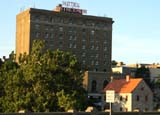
<point x="136" y="30"/>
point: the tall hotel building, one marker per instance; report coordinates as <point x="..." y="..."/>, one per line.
<point x="88" y="37"/>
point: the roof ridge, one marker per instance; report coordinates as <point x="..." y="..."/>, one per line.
<point x="123" y="86"/>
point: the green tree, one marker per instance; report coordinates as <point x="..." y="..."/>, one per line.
<point x="39" y="79"/>
<point x="114" y="63"/>
<point x="66" y="101"/>
<point x="7" y="86"/>
<point x="1" y="62"/>
<point x="144" y="73"/>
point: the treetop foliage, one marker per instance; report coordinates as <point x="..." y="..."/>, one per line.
<point x="41" y="82"/>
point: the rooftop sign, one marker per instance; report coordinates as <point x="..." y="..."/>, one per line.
<point x="72" y="7"/>
<point x="70" y="4"/>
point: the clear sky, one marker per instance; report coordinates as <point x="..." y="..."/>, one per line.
<point x="136" y="30"/>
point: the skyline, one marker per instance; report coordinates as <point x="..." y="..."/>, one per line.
<point x="135" y="27"/>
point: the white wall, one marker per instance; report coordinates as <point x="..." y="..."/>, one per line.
<point x="126" y="105"/>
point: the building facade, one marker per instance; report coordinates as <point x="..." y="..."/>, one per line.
<point x="123" y="70"/>
<point x="88" y="37"/>
<point x="94" y="83"/>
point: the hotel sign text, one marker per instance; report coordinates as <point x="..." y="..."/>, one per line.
<point x="72" y="7"/>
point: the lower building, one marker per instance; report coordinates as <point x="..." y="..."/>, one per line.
<point x="94" y="83"/>
<point x="131" y="94"/>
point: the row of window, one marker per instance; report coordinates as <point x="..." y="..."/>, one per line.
<point x="72" y="44"/>
<point x="91" y="56"/>
<point x="51" y="35"/>
<point x="94" y="85"/>
<point x="93" y="62"/>
<point x="83" y="55"/>
<point x="145" y="98"/>
<point x="50" y="19"/>
<point x="126" y="109"/>
<point x="137" y="98"/>
<point x="69" y="29"/>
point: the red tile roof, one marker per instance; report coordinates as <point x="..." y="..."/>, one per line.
<point x="122" y="86"/>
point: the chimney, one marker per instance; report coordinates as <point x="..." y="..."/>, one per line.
<point x="111" y="79"/>
<point x="127" y="78"/>
<point x="58" y="8"/>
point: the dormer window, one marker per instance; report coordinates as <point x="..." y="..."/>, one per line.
<point x="142" y="88"/>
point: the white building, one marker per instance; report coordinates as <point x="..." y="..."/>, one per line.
<point x="123" y="70"/>
<point x="131" y="94"/>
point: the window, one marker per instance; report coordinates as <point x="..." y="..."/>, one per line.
<point x="121" y="98"/>
<point x="92" y="47"/>
<point x="61" y="20"/>
<point x="51" y="19"/>
<point x="75" y="38"/>
<point x="70" y="45"/>
<point x="51" y="45"/>
<point x="61" y="29"/>
<point x="137" y="98"/>
<point x="83" y="54"/>
<point x="91" y="56"/>
<point x="105" y="42"/>
<point x="105" y="48"/>
<point x="70" y="30"/>
<point x="37" y="34"/>
<point x="83" y="30"/>
<point x="92" y="62"/>
<point x="52" y="35"/>
<point x="51" y="28"/>
<point x="74" y="46"/>
<point x="61" y="36"/>
<point x="93" y="86"/>
<point x="60" y="44"/>
<point x="97" y="47"/>
<point x="146" y="109"/>
<point x="97" y="55"/>
<point x="83" y="47"/>
<point x="146" y="98"/>
<point x="92" y="32"/>
<point x="126" y="109"/>
<point x="83" y="39"/>
<point x="121" y="108"/>
<point x="96" y="69"/>
<point x="46" y="35"/>
<point x="93" y="24"/>
<point x="70" y="37"/>
<point x="46" y="28"/>
<point x="105" y="83"/>
<point x="37" y="18"/>
<point x="84" y="62"/>
<point x="142" y="88"/>
<point x="96" y="63"/>
<point x="70" y="21"/>
<point x="126" y="97"/>
<point x="105" y="55"/>
<point x="46" y="19"/>
<point x="37" y="26"/>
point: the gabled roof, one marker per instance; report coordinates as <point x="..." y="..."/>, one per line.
<point x="122" y="86"/>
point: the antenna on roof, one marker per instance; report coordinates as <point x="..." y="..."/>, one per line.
<point x="34" y="5"/>
<point x="22" y="8"/>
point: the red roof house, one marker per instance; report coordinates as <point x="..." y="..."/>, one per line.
<point x="131" y="94"/>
